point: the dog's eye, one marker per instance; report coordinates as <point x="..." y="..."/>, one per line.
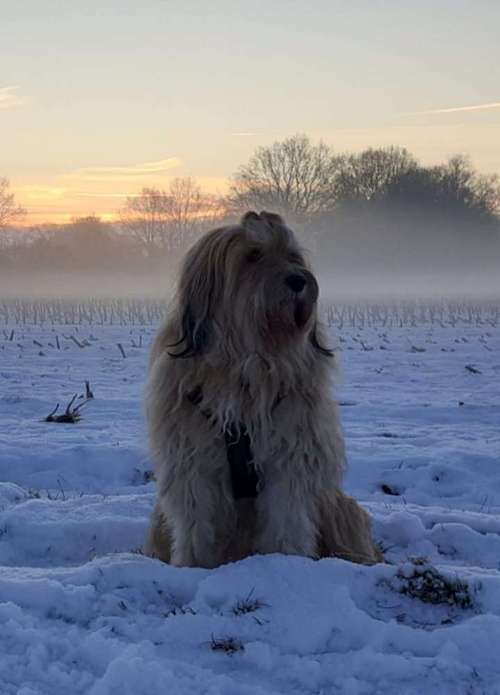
<point x="295" y="258"/>
<point x="254" y="256"/>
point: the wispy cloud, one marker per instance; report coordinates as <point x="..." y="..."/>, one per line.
<point x="494" y="106"/>
<point x="106" y="173"/>
<point x="8" y="97"/>
<point x="40" y="192"/>
<point x="107" y="195"/>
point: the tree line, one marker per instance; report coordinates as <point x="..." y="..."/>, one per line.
<point x="378" y="207"/>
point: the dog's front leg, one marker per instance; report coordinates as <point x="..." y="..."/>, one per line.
<point x="194" y="544"/>
<point x="287" y="517"/>
<point x="200" y="517"/>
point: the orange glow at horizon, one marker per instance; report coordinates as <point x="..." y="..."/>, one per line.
<point x="76" y="197"/>
<point x="33" y="219"/>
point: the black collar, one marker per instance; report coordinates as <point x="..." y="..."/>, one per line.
<point x="244" y="477"/>
<point x="245" y="480"/>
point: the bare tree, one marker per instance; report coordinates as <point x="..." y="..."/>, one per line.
<point x="9" y="210"/>
<point x="89" y="243"/>
<point x="145" y="217"/>
<point x="191" y="211"/>
<point x="460" y="185"/>
<point x="451" y="189"/>
<point x="170" y="220"/>
<point x="367" y="175"/>
<point x="293" y="177"/>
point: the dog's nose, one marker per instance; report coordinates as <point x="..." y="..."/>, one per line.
<point x="295" y="282"/>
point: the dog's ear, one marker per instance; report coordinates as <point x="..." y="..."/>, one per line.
<point x="272" y="219"/>
<point x="251" y="221"/>
<point x="265" y="226"/>
<point x="316" y="343"/>
<point x="200" y="289"/>
<point x="194" y="335"/>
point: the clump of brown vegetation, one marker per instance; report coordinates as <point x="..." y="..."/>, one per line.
<point x="419" y="579"/>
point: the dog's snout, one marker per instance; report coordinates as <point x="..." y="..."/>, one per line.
<point x="295" y="282"/>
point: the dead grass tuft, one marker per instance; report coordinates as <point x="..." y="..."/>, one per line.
<point x="419" y="579"/>
<point x="229" y="645"/>
<point x="249" y="604"/>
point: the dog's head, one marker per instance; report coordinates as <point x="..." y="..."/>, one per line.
<point x="246" y="289"/>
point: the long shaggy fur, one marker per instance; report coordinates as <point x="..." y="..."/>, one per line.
<point x="244" y="337"/>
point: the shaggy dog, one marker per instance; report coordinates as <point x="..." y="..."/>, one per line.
<point x="245" y="435"/>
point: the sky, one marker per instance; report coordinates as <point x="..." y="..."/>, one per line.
<point x="98" y="99"/>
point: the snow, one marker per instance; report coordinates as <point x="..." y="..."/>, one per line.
<point x="82" y="611"/>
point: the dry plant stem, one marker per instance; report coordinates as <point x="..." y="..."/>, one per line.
<point x="71" y="415"/>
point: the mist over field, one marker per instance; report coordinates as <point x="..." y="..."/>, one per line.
<point x="80" y="285"/>
<point x="337" y="282"/>
<point x="357" y="268"/>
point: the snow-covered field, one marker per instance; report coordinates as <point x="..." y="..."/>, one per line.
<point x="82" y="611"/>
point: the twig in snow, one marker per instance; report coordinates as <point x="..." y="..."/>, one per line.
<point x="71" y="415"/>
<point x="76" y="341"/>
<point x="473" y="370"/>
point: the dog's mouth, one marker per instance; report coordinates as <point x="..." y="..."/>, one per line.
<point x="305" y="302"/>
<point x="293" y="311"/>
<point x="302" y="312"/>
<point x="293" y="315"/>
